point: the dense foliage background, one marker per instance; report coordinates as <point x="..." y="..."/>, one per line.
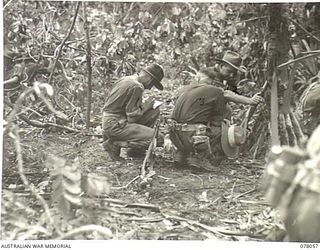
<point x="126" y="36"/>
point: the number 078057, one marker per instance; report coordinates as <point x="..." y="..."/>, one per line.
<point x="309" y="245"/>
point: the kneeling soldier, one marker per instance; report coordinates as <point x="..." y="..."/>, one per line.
<point x="126" y="120"/>
<point x="198" y="129"/>
<point x="311" y="107"/>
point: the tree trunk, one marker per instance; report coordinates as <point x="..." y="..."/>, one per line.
<point x="89" y="67"/>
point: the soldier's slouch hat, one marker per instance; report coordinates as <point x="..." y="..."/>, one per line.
<point x="156" y="72"/>
<point x="232" y="136"/>
<point x="234" y="60"/>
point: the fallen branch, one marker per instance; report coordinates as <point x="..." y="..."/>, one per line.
<point x="145" y="220"/>
<point x="51" y="108"/>
<point x="118" y="211"/>
<point x="127" y="185"/>
<point x="87" y="229"/>
<point x="245" y="193"/>
<point x="232" y="190"/>
<point x="255" y="202"/>
<point x="214" y="230"/>
<point x="134" y="205"/>
<point x="195" y="223"/>
<point x="16" y="107"/>
<point x="164" y="178"/>
<point x="141" y="205"/>
<point x="38" y="124"/>
<point x="47" y="125"/>
<point x="109" y="200"/>
<point x="240" y="233"/>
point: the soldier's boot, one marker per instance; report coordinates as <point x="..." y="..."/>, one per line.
<point x="200" y="163"/>
<point x="136" y="153"/>
<point x="180" y="158"/>
<point x="112" y="150"/>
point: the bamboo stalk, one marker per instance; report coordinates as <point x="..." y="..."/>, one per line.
<point x="274" y="110"/>
<point x="288" y="92"/>
<point x="291" y="134"/>
<point x="284" y="138"/>
<point x="255" y="130"/>
<point x="296" y="127"/>
<point x="259" y="143"/>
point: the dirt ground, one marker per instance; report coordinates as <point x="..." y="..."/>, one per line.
<point x="181" y="204"/>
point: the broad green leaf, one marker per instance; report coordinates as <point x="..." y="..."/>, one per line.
<point x="74" y="199"/>
<point x="72" y="176"/>
<point x="71" y="187"/>
<point x="97" y="185"/>
<point x="64" y="207"/>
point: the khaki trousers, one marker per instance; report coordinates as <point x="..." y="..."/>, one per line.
<point x="184" y="143"/>
<point x="137" y="135"/>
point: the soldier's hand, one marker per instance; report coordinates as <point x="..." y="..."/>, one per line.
<point x="148" y="104"/>
<point x="256" y="99"/>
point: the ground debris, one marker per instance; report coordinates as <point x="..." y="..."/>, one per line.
<point x="181" y="203"/>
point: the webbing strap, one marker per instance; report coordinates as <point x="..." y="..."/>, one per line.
<point x="185" y="127"/>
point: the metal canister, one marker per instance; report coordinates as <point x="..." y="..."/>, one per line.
<point x="281" y="169"/>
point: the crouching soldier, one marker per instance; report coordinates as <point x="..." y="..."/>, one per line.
<point x="126" y="120"/>
<point x="198" y="130"/>
<point x="292" y="185"/>
<point x="311" y="107"/>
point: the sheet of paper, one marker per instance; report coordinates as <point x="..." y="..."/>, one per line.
<point x="157" y="104"/>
